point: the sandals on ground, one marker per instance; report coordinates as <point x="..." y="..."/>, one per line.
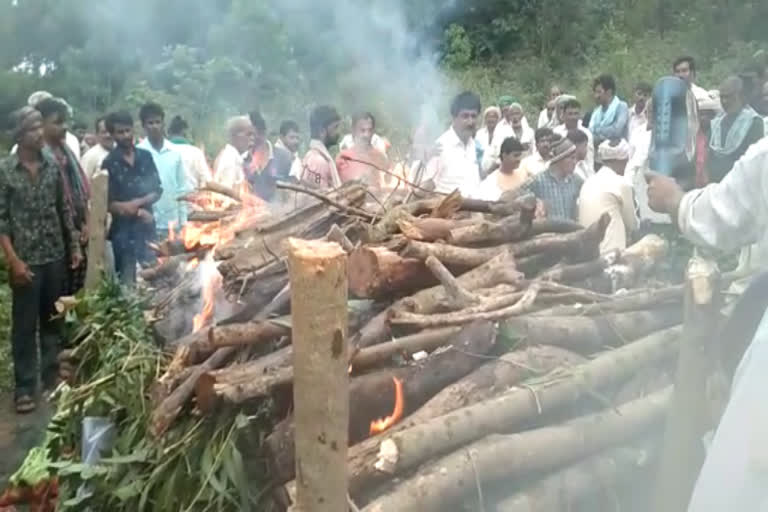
<point x="25" y="404"/>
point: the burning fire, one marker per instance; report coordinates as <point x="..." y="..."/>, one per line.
<point x="211" y="284"/>
<point x="382" y="424"/>
<point x="210" y="235"/>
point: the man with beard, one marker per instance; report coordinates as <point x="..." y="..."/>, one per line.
<point x="134" y="186"/>
<point x="456" y="165"/>
<point x="76" y="191"/>
<point x="318" y="167"/>
<point x="362" y="161"/>
<point x="37" y="236"/>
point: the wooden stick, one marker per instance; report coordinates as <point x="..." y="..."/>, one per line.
<point x="683" y="452"/>
<point x="324" y="198"/>
<point x="97" y="235"/>
<point x="335" y="234"/>
<point x="455" y="291"/>
<point x="212" y="186"/>
<point x="318" y="273"/>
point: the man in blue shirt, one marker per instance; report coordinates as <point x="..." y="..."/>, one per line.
<point x="610" y="119"/>
<point x="169" y="212"/>
<point x="134" y="186"/>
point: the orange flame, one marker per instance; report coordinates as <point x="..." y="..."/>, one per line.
<point x="211" y="284"/>
<point x="382" y="424"/>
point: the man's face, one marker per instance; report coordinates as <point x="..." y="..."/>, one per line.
<point x="243" y="138"/>
<point x="154" y="128"/>
<point x="731" y="100"/>
<point x="55" y="127"/>
<point x="602" y="96"/>
<point x="511" y="160"/>
<point x="465" y="123"/>
<point x="683" y="72"/>
<point x="641" y="98"/>
<point x="362" y="132"/>
<point x="491" y="120"/>
<point x="544" y="146"/>
<point x="505" y="111"/>
<point x="80" y="133"/>
<point x="515" y="116"/>
<point x="568" y="164"/>
<point x="571" y="117"/>
<point x="291" y="140"/>
<point x="103" y="136"/>
<point x="581" y="151"/>
<point x="31" y="137"/>
<point x="123" y="135"/>
<point x="332" y="134"/>
<point x="554" y="93"/>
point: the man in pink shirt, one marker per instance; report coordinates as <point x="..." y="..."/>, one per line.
<point x="318" y="167"/>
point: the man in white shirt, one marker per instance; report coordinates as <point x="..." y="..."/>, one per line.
<point x="547" y="117"/>
<point x="92" y="158"/>
<point x="608" y="191"/>
<point x="289" y="140"/>
<point x="572" y="121"/>
<point x="228" y="169"/>
<point x="581" y="141"/>
<point x="195" y="163"/>
<point x="538" y="161"/>
<point x="638" y="113"/>
<point x="685" y="69"/>
<point x="456" y="166"/>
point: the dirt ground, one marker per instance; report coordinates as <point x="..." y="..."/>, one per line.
<point x="18" y="434"/>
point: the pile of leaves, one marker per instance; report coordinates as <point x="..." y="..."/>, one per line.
<point x="196" y="466"/>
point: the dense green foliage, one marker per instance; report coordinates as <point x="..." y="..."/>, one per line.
<point x="208" y="59"/>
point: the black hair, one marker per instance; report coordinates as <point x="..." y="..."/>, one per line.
<point x="644" y="87"/>
<point x="258" y="122"/>
<point x="321" y="118"/>
<point x="572" y="103"/>
<point x="177" y="126"/>
<point x="467" y="100"/>
<point x="52" y="106"/>
<point x="607" y="82"/>
<point x="681" y="60"/>
<point x="577" y="136"/>
<point x="510" y="145"/>
<point x="542" y="133"/>
<point x="150" y="109"/>
<point x="98" y="122"/>
<point x="115" y="118"/>
<point x="363" y="115"/>
<point x="288" y="126"/>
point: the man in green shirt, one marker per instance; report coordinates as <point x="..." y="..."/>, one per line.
<point x="38" y="238"/>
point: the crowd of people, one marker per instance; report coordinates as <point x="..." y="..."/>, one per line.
<point x="579" y="164"/>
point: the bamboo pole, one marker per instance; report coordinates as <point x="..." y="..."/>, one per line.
<point x="318" y="273"/>
<point x="97" y="235"/>
<point x="688" y="419"/>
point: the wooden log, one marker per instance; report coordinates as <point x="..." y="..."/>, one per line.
<point x="372" y="396"/>
<point x="426" y="340"/>
<point x="543" y="226"/>
<point x="375" y="272"/>
<point x="497" y="271"/>
<point x="494" y="378"/>
<point x="683" y="452"/>
<point x="578" y="271"/>
<point x="516" y="304"/>
<point x="588" y="334"/>
<point x="504" y="413"/>
<point x="509" y="229"/>
<point x="168" y="267"/>
<point x="318" y="273"/>
<point x="432" y="229"/>
<point x="209" y="215"/>
<point x="636" y="261"/>
<point x="456" y="293"/>
<point x="571" y="486"/>
<point x="574" y="247"/>
<point x="233" y="335"/>
<point x="335" y="234"/>
<point x="442" y="484"/>
<point x="97" y="235"/>
<point x="632" y="301"/>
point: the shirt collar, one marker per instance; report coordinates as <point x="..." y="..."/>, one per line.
<point x="163" y="149"/>
<point x="15" y="163"/>
<point x="455" y="140"/>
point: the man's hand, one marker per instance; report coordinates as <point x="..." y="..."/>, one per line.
<point x="144" y="216"/>
<point x="126" y="208"/>
<point x="77" y="260"/>
<point x="541" y="210"/>
<point x="84" y="234"/>
<point x="20" y="273"/>
<point x="664" y="194"/>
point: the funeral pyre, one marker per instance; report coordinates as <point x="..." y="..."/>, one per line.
<point x="498" y="361"/>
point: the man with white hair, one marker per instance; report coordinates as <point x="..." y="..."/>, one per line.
<point x="228" y="168"/>
<point x="71" y="140"/>
<point x="608" y="192"/>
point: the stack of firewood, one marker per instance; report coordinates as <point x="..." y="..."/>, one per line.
<point x="511" y="357"/>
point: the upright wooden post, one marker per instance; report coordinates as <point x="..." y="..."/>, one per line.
<point x="689" y="417"/>
<point x="97" y="231"/>
<point x="318" y="273"/>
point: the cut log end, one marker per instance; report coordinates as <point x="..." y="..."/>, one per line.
<point x="315" y="250"/>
